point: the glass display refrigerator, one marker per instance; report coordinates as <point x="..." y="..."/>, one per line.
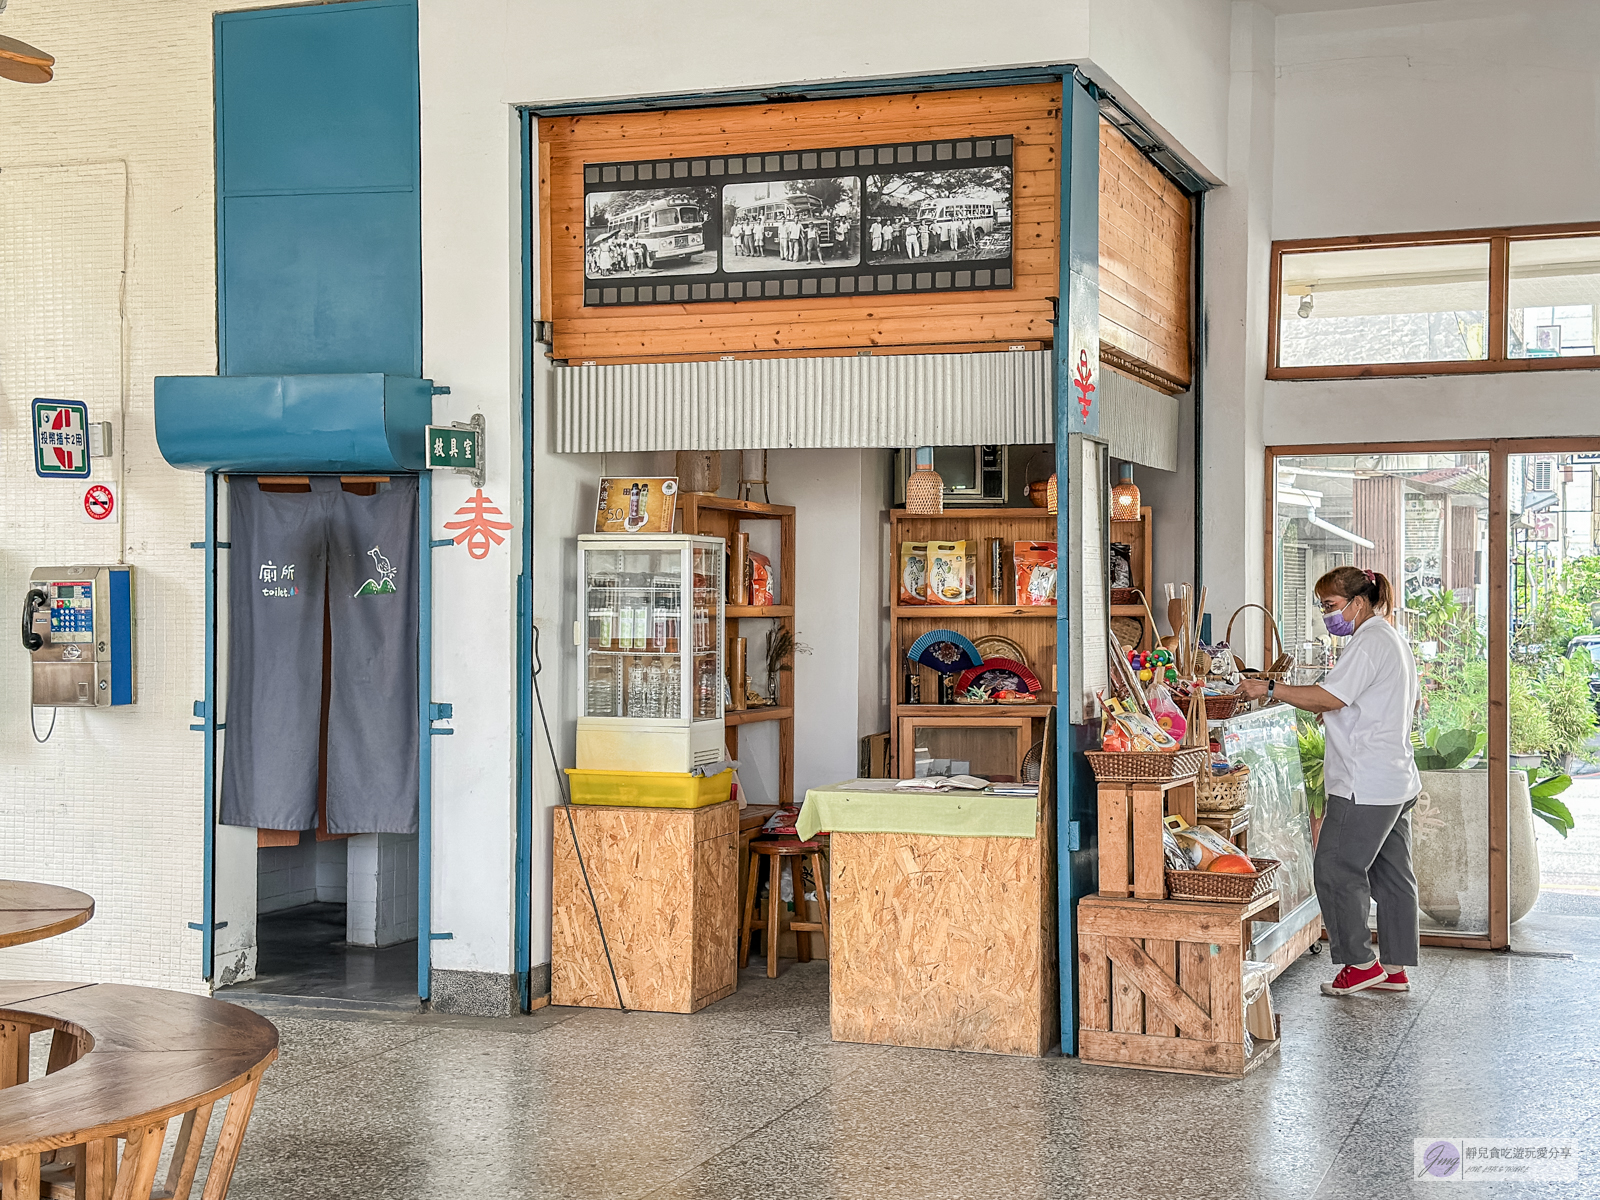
<point x="651" y="640"/>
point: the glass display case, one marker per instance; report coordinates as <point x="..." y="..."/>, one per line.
<point x="651" y="643"/>
<point x="1268" y="743"/>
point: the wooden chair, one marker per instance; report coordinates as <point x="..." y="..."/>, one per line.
<point x="775" y="853"/>
<point x="124" y="1061"/>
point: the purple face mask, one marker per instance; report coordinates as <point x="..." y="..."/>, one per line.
<point x="1337" y="624"/>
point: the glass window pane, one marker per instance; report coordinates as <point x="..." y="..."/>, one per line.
<point x="1422" y="520"/>
<point x="1555" y="287"/>
<point x="1398" y="304"/>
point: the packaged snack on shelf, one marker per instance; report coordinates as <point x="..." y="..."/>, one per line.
<point x="913" y="572"/>
<point x="763" y="582"/>
<point x="971" y="596"/>
<point x="1143" y="733"/>
<point x="947" y="572"/>
<point x="1035" y="564"/>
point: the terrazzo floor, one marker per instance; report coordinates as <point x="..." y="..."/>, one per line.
<point x="751" y="1098"/>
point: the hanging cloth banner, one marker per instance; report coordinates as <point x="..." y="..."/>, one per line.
<point x="292" y="554"/>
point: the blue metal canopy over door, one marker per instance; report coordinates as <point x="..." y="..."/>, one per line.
<point x="319" y="273"/>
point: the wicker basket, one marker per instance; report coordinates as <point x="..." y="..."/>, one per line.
<point x="1126" y="596"/>
<point x="1220" y="708"/>
<point x="1277" y="640"/>
<point x="1223" y="793"/>
<point x="1146" y="766"/>
<point x="1221" y="887"/>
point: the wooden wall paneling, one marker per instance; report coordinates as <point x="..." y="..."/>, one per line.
<point x="1030" y="114"/>
<point x="1145" y="232"/>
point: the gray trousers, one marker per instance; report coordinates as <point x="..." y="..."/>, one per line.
<point x="1364" y="854"/>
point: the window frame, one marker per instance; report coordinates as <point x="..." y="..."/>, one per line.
<point x="1499" y="241"/>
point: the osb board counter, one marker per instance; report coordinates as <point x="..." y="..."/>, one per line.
<point x="665" y="882"/>
<point x="946" y="943"/>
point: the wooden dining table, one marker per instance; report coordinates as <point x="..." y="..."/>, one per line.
<point x="30" y="912"/>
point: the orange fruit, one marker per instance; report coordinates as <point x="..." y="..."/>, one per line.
<point x="1232" y="864"/>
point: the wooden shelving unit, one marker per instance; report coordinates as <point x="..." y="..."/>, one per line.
<point x="1137" y="536"/>
<point x="1031" y="627"/>
<point x="721" y="516"/>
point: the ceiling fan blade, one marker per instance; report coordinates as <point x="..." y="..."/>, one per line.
<point x="24" y="63"/>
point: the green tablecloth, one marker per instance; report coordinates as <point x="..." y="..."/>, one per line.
<point x="877" y="806"/>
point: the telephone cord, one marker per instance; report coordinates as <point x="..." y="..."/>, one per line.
<point x="34" y="729"/>
<point x="566" y="803"/>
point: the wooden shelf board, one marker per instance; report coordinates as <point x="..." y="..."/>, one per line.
<point x="749" y="716"/>
<point x="745" y="508"/>
<point x="960" y="611"/>
<point x="1128" y="610"/>
<point x="735" y="612"/>
<point x="972" y="513"/>
<point x="976" y="711"/>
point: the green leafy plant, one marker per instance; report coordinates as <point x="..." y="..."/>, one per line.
<point x="1445" y="750"/>
<point x="1313" y="748"/>
<point x="1545" y="805"/>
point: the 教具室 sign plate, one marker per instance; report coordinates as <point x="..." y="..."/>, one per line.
<point x="61" y="439"/>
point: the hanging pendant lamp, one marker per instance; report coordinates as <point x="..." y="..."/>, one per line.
<point x="1125" y="496"/>
<point x="925" y="488"/>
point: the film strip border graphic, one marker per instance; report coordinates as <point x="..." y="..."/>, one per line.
<point x="862" y="279"/>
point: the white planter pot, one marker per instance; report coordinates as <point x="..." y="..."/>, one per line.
<point x="1450" y="849"/>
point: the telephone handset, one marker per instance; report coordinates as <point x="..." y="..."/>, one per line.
<point x="32" y="603"/>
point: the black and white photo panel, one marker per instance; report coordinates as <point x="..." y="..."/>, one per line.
<point x="656" y="231"/>
<point x="909" y="217"/>
<point x="791" y="224"/>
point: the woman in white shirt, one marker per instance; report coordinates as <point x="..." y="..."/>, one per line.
<point x="1364" y="849"/>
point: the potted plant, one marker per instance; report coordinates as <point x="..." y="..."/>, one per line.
<point x="1313" y="747"/>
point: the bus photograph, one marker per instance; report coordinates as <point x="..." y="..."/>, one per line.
<point x="644" y="233"/>
<point x="939" y="216"/>
<point x="790" y="225"/>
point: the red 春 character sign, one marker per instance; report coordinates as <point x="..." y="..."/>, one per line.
<point x="477" y="530"/>
<point x="1083" y="382"/>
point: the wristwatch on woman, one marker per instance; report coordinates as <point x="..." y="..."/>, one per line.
<point x="1272" y="685"/>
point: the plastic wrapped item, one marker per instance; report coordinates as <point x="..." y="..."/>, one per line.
<point x="913" y="572"/>
<point x="763" y="583"/>
<point x="1035" y="564"/>
<point x="1166" y="713"/>
<point x="1142" y="733"/>
<point x="947" y="572"/>
<point x="1259" y="1020"/>
<point x="1211" y="844"/>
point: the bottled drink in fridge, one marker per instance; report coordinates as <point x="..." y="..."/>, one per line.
<point x="636" y="689"/>
<point x="673" y="693"/>
<point x="654" y="683"/>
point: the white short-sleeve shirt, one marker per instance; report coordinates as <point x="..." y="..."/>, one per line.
<point x="1368" y="741"/>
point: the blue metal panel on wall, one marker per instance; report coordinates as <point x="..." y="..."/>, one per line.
<point x="293" y="423"/>
<point x="319" y="229"/>
<point x="1076" y="349"/>
<point x="322" y="284"/>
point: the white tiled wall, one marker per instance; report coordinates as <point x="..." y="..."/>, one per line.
<point x="107" y="279"/>
<point x="383" y="889"/>
<point x="312" y="872"/>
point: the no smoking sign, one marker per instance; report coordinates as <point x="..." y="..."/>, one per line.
<point x="100" y="504"/>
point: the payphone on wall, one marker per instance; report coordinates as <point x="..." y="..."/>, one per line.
<point x="77" y="623"/>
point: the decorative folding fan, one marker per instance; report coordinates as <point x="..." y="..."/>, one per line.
<point x="999" y="673"/>
<point x="945" y="650"/>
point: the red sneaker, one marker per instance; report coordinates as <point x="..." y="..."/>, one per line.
<point x="1394" y="981"/>
<point x="1355" y="979"/>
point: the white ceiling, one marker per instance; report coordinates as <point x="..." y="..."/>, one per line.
<point x="1287" y="7"/>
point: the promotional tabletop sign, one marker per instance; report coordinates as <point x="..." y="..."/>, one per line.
<point x="61" y="439"/>
<point x="636" y="506"/>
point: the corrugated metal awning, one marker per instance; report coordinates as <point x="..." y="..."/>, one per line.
<point x="1000" y="398"/>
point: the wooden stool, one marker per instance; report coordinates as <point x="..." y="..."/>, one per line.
<point x="774" y="853"/>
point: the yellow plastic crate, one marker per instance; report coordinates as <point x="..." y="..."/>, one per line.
<point x="649" y="789"/>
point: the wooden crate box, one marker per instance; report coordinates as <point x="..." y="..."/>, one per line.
<point x="1160" y="984"/>
<point x="665" y="881"/>
<point x="1131" y="859"/>
<point x="944" y="942"/>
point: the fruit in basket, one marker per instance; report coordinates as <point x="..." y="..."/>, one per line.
<point x="1232" y="864"/>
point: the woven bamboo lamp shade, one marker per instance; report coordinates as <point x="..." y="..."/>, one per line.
<point x="925" y="488"/>
<point x="1125" y="497"/>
